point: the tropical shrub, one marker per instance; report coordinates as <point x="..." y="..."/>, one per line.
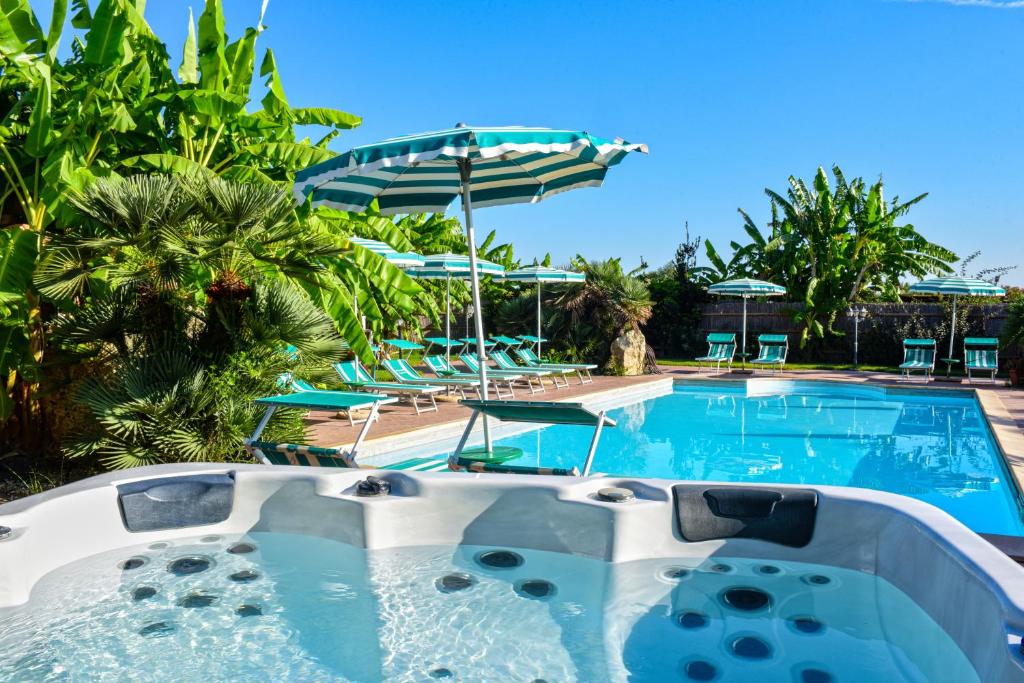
<point x="833" y="246"/>
<point x="679" y="294"/>
<point x="586" y="317"/>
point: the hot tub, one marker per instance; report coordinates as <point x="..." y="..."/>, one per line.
<point x="189" y="572"/>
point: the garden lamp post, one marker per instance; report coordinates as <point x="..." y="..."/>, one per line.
<point x="857" y="314"/>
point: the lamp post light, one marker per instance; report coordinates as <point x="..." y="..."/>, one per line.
<point x="857" y="314"/>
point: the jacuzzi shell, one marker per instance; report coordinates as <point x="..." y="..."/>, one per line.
<point x="974" y="592"/>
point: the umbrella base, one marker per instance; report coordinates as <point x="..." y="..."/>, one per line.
<point x="741" y="371"/>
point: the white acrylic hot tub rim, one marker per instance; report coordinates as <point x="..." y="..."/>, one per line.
<point x="968" y="587"/>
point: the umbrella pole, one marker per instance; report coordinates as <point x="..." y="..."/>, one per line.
<point x="743" y="353"/>
<point x="952" y="333"/>
<point x="448" y="321"/>
<point x="538" y="321"/>
<point x="465" y="171"/>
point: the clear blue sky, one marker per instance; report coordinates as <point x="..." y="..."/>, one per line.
<point x="730" y="96"/>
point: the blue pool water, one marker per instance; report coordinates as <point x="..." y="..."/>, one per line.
<point x="932" y="445"/>
<point x="302" y="608"/>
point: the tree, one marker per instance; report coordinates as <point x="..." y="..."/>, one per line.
<point x="833" y="247"/>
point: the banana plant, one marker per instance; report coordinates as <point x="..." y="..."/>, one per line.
<point x="831" y="246"/>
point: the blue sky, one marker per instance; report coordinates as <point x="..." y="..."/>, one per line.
<point x="731" y="96"/>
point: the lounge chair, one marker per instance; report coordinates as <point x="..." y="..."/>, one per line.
<point x="918" y="354"/>
<point x="530" y="340"/>
<point x="403" y="372"/>
<point x="402" y="345"/>
<point x="535" y="412"/>
<point x="721" y="349"/>
<point x="507" y="342"/>
<point x="440" y="366"/>
<point x="527" y="374"/>
<point x="355" y="375"/>
<point x="272" y="453"/>
<point x="288" y="381"/>
<point x="444" y="343"/>
<point x="981" y="355"/>
<point x="470" y="344"/>
<point x="772" y="352"/>
<point x="532" y="360"/>
<point x="505" y="363"/>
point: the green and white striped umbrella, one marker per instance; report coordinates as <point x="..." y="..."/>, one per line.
<point x="446" y="267"/>
<point x="402" y="259"/>
<point x="421" y="173"/>
<point x="540" y="275"/>
<point x="440" y="266"/>
<point x="484" y="166"/>
<point x="746" y="287"/>
<point x="955" y="287"/>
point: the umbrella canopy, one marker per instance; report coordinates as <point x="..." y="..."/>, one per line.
<point x="446" y="267"/>
<point x="440" y="266"/>
<point x="402" y="259"/>
<point x="421" y="173"/>
<point x="539" y="275"/>
<point x="486" y="166"/>
<point x="955" y="287"/>
<point x="746" y="288"/>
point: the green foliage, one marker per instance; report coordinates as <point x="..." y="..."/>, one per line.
<point x="679" y="294"/>
<point x="1013" y="329"/>
<point x="584" y="318"/>
<point x="833" y="246"/>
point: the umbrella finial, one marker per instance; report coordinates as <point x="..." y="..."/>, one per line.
<point x="460" y="124"/>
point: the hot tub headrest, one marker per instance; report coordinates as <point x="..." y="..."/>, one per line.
<point x="776" y="515"/>
<point x="176" y="502"/>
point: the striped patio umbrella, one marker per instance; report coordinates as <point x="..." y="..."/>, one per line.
<point x="746" y="288"/>
<point x="539" y="275"/>
<point x="402" y="259"/>
<point x="483" y="166"/>
<point x="446" y="267"/>
<point x="955" y="287"/>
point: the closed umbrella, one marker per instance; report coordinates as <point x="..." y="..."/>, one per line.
<point x="746" y="288"/>
<point x="424" y="173"/>
<point x="445" y="267"/>
<point x="956" y="287"/>
<point x="540" y="275"/>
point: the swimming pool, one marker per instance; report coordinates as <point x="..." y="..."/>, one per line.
<point x="933" y="445"/>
